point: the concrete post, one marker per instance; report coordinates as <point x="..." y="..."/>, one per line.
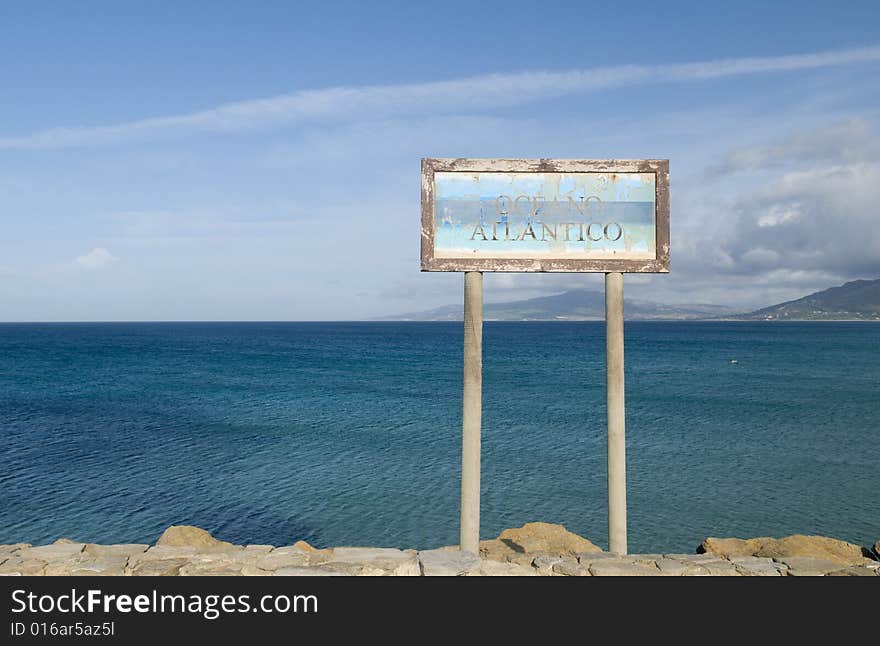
<point x="614" y="383"/>
<point x="471" y="414"/>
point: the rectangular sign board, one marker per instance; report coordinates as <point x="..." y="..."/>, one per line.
<point x="545" y="215"/>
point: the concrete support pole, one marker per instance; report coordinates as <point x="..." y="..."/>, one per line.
<point x="471" y="415"/>
<point x="616" y="412"/>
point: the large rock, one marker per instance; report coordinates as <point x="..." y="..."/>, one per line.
<point x="877" y="548"/>
<point x="188" y="536"/>
<point x="818" y="547"/>
<point x="535" y="539"/>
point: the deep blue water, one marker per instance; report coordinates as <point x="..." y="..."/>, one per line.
<point x="349" y="433"/>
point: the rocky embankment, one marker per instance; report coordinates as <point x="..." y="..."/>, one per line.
<point x="535" y="549"/>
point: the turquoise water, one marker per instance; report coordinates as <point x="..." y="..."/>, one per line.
<point x="349" y="433"/>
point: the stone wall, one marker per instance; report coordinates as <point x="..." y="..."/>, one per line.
<point x="536" y="549"/>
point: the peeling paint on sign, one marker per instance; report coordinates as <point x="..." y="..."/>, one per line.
<point x="545" y="215"/>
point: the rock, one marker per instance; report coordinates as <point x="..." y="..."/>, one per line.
<point x="587" y="558"/>
<point x="15" y="565"/>
<point x="218" y="567"/>
<point x="692" y="558"/>
<point x="7" y="550"/>
<point x="497" y="568"/>
<point x="671" y="567"/>
<point x="53" y="552"/>
<point x="166" y="552"/>
<point x="309" y="571"/>
<point x="282" y="557"/>
<point x="125" y="549"/>
<point x="355" y="554"/>
<point x="160" y="560"/>
<point x="536" y="537"/>
<point x="622" y="567"/>
<point x="527" y="559"/>
<point x="643" y="558"/>
<point x="854" y="570"/>
<point x="679" y="567"/>
<point x="532" y="550"/>
<point x="719" y="567"/>
<point x="448" y="563"/>
<point x="877" y="548"/>
<point x="361" y="569"/>
<point x="727" y="547"/>
<point x="755" y="566"/>
<point x="305" y="547"/>
<point x="809" y="566"/>
<point x="108" y="566"/>
<point x="188" y="536"/>
<point x="569" y="566"/>
<point x="89" y="566"/>
<point x="819" y="547"/>
<point x="497" y="551"/>
<point x="375" y="561"/>
<point x="544" y="564"/>
<point x="157" y="567"/>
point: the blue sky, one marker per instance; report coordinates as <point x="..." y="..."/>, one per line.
<point x="225" y="161"/>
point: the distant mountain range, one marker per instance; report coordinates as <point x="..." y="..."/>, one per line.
<point x="573" y="305"/>
<point x="856" y="300"/>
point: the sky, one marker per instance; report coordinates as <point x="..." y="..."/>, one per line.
<point x="261" y="161"/>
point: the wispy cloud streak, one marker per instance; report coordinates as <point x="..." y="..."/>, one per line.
<point x="460" y="95"/>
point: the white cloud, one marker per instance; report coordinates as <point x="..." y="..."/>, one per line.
<point x="779" y="214"/>
<point x="802" y="219"/>
<point x="847" y="141"/>
<point x="474" y="93"/>
<point x="96" y="259"/>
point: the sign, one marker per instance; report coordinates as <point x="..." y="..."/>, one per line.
<point x="545" y="215"/>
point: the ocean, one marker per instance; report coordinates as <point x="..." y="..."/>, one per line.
<point x="349" y="433"/>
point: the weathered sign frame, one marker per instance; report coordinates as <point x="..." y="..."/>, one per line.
<point x="612" y="262"/>
<point x="659" y="167"/>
